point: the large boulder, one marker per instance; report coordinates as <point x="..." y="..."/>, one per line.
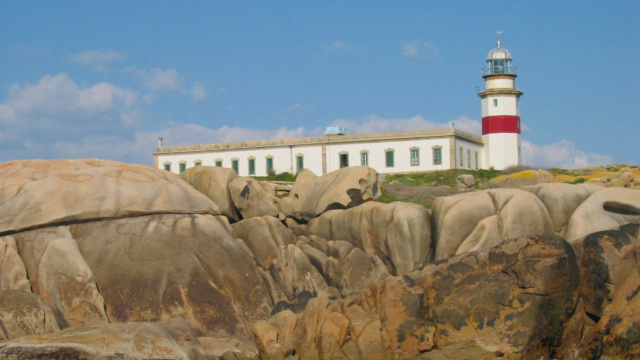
<point x="607" y="316"/>
<point x="397" y="233"/>
<point x="520" y="179"/>
<point x="252" y="198"/>
<point x="562" y="200"/>
<point x="24" y="313"/>
<point x="213" y="181"/>
<point x="171" y="339"/>
<point x="479" y="220"/>
<point x="607" y="209"/>
<point x="36" y="193"/>
<point x="341" y="189"/>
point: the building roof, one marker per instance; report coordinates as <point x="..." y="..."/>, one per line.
<point x="402" y="135"/>
<point x="499" y="53"/>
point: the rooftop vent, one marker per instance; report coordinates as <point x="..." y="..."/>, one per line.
<point x="335" y="130"/>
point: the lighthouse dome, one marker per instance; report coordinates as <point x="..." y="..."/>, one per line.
<point x="499" y="53"/>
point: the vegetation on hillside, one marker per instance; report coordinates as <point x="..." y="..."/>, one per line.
<point x="443" y="177"/>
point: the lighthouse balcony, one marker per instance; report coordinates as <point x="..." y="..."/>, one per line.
<point x="499" y="70"/>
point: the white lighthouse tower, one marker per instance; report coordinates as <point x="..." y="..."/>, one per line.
<point x="500" y="111"/>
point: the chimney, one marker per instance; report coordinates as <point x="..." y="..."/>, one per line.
<point x="159" y="142"/>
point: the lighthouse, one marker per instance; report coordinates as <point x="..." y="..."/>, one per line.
<point x="500" y="111"/>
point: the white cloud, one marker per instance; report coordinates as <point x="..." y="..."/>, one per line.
<point x="418" y="49"/>
<point x="563" y="154"/>
<point x="198" y="92"/>
<point x="58" y="111"/>
<point x="161" y="80"/>
<point x="335" y="46"/>
<point x="97" y="59"/>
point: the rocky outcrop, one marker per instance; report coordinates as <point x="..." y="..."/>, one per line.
<point x="480" y="220"/>
<point x="214" y="182"/>
<point x="520" y="179"/>
<point x="341" y="189"/>
<point x="252" y="198"/>
<point x="39" y="193"/>
<point x="512" y="300"/>
<point x="607" y="209"/>
<point x="24" y="313"/>
<point x="170" y="339"/>
<point x="397" y="233"/>
<point x="465" y="181"/>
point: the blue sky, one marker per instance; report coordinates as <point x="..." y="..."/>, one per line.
<point x="105" y="79"/>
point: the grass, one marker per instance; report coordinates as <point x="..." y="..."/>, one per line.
<point x="388" y="199"/>
<point x="285" y="176"/>
<point x="441" y="177"/>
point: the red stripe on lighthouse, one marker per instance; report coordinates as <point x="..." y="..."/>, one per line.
<point x="501" y="124"/>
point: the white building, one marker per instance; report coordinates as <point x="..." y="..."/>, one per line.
<point x="396" y="152"/>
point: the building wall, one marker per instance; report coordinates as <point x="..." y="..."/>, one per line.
<point x="322" y="155"/>
<point x="502" y="150"/>
<point x="507" y="105"/>
<point x="469" y="158"/>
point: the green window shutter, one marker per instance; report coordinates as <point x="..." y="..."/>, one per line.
<point x="252" y="166"/>
<point x="389" y="158"/>
<point x="234" y="165"/>
<point x="437" y="156"/>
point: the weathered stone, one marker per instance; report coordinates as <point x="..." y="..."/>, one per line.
<point x="606" y="209"/>
<point x="520" y="179"/>
<point x="340" y="189"/>
<point x="397" y="233"/>
<point x="465" y="181"/>
<point x="58" y="272"/>
<point x="23" y="313"/>
<point x="35" y="193"/>
<point x="480" y="220"/>
<point x="214" y="182"/>
<point x="13" y="275"/>
<point x="264" y="236"/>
<point x="561" y="200"/>
<point x="172" y="339"/>
<point x="164" y="266"/>
<point x="250" y="198"/>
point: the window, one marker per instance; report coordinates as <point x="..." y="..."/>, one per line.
<point x="388" y="158"/>
<point x="437" y="156"/>
<point x="252" y="166"/>
<point x="198" y="163"/>
<point x="344" y="160"/>
<point x="183" y="166"/>
<point x="476" y="160"/>
<point x="461" y="158"/>
<point x="415" y="157"/>
<point x="364" y="158"/>
<point x="167" y="166"/>
<point x="234" y="165"/>
<point x="269" y="165"/>
<point x="468" y="158"/>
<point x="495" y="102"/>
<point x="218" y="163"/>
<point x="299" y="163"/>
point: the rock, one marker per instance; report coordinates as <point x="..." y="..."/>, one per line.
<point x="250" y="198"/>
<point x="36" y="193"/>
<point x="479" y="220"/>
<point x="340" y="189"/>
<point x="609" y="291"/>
<point x="465" y="181"/>
<point x="627" y="178"/>
<point x="397" y="233"/>
<point x="23" y="313"/>
<point x="344" y="266"/>
<point x="164" y="266"/>
<point x="520" y="179"/>
<point x="512" y="301"/>
<point x="214" y="182"/>
<point x="561" y="200"/>
<point x="58" y="272"/>
<point x="606" y="209"/>
<point x="13" y="273"/>
<point x="264" y="236"/>
<point x="171" y="339"/>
